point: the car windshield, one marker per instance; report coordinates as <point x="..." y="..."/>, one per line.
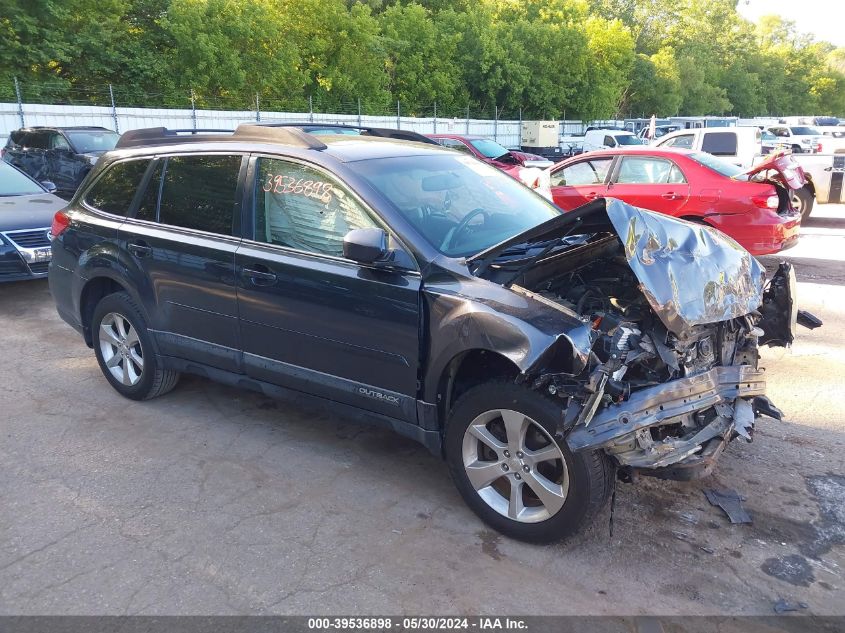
<point x="768" y="136"/>
<point x="92" y="140"/>
<point x="14" y="183"/>
<point x="802" y="130"/>
<point x="718" y="165"/>
<point x="460" y="205"/>
<point x="488" y="148"/>
<point x="628" y="140"/>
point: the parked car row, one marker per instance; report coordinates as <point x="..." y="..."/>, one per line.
<point x="689" y="184"/>
<point x="542" y="353"/>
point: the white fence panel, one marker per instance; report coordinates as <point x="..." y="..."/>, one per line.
<point x="506" y="132"/>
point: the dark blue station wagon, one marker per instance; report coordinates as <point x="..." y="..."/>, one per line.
<point x="541" y="353"/>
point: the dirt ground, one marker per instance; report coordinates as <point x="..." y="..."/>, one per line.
<point x="212" y="500"/>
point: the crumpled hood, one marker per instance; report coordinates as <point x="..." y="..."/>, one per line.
<point x="691" y="274"/>
<point x="521" y="157"/>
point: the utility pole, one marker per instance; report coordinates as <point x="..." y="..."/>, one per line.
<point x="257" y="109"/>
<point x="113" y="109"/>
<point x="194" y="109"/>
<point x="398" y="116"/>
<point x="435" y="117"/>
<point x="20" y="102"/>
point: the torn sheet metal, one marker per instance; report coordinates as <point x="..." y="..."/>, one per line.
<point x="691" y="274"/>
<point x="668" y="401"/>
<point x="743" y="418"/>
<point x="730" y="502"/>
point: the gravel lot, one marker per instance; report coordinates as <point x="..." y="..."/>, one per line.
<point x="217" y="501"/>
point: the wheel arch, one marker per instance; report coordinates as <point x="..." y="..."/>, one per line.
<point x="94" y="290"/>
<point x="466" y="369"/>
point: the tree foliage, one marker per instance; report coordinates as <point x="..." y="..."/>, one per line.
<point x="544" y="58"/>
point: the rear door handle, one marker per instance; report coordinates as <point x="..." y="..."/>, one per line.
<point x="670" y="196"/>
<point x="140" y="249"/>
<point x="592" y="195"/>
<point x="260" y="277"/>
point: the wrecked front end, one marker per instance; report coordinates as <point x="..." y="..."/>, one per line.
<point x="678" y="312"/>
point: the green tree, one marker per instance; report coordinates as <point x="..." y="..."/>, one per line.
<point x="233" y="50"/>
<point x="610" y="48"/>
<point x="341" y="53"/>
<point x="422" y="58"/>
<point x="655" y="85"/>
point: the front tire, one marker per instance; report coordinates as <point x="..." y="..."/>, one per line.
<point x="803" y="200"/>
<point x="513" y="474"/>
<point x="125" y="350"/>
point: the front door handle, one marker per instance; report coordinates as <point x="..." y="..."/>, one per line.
<point x="140" y="249"/>
<point x="670" y="196"/>
<point x="592" y="195"/>
<point x="260" y="275"/>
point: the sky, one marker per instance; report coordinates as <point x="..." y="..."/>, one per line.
<point x="823" y="19"/>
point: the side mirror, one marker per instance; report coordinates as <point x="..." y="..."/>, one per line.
<point x="365" y="246"/>
<point x="49" y="185"/>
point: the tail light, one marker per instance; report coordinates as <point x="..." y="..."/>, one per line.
<point x="766" y="201"/>
<point x="819" y="148"/>
<point x="61" y="221"/>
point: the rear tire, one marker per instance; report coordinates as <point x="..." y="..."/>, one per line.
<point x="803" y="200"/>
<point x="513" y="474"/>
<point x="125" y="350"/>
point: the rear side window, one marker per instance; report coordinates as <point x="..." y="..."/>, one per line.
<point x="114" y="190"/>
<point x="198" y="192"/>
<point x="37" y="140"/>
<point x="648" y="171"/>
<point x="719" y="143"/>
<point x="16" y="138"/>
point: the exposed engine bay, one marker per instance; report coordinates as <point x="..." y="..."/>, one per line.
<point x="653" y="398"/>
<point x="672" y="371"/>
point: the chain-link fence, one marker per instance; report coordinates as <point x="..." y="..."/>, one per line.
<point x="124" y="108"/>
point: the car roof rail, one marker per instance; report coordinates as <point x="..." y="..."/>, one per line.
<point x="244" y="132"/>
<point x="65" y="127"/>
<point x="381" y="132"/>
<point x="278" y="134"/>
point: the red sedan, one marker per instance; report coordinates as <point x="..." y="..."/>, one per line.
<point x="491" y="152"/>
<point x="754" y="207"/>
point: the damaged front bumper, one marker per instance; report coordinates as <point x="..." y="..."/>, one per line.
<point x="624" y="430"/>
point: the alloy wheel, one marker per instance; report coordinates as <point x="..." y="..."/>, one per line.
<point x="515" y="466"/>
<point x="121" y="349"/>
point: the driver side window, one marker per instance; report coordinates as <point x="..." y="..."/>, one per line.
<point x="585" y="172"/>
<point x="302" y="208"/>
<point x="456" y="144"/>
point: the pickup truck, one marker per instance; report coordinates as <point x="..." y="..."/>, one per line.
<point x="738" y="145"/>
<point x="824" y="173"/>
